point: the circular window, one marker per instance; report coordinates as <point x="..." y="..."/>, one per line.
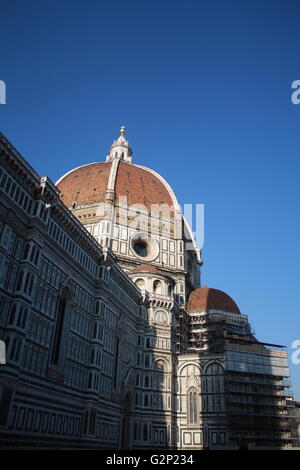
<point x="144" y="247"/>
<point x="140" y="247"/>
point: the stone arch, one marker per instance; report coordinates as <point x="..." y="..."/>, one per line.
<point x="213" y="368"/>
<point x="185" y="369"/>
<point x="161" y="365"/>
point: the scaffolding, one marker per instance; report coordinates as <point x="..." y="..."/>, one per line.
<point x="259" y="405"/>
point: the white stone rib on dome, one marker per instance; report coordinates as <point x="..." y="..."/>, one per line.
<point x="176" y="206"/>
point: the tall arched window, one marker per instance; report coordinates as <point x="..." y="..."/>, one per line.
<point x="192" y="406"/>
<point x="58" y="333"/>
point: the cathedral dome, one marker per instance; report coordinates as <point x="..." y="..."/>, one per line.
<point x="205" y="298"/>
<point x="116" y="184"/>
<point x="89" y="184"/>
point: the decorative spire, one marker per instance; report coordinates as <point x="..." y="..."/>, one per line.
<point x="120" y="148"/>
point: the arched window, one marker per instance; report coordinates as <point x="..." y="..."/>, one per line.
<point x="140" y="283"/>
<point x="169" y="290"/>
<point x="157" y="287"/>
<point x="58" y="333"/>
<point x="161" y="317"/>
<point x="192" y="406"/>
<point x="160" y="365"/>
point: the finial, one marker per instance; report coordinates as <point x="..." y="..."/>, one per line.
<point x="122" y="130"/>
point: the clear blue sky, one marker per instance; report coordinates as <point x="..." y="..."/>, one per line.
<point x="204" y="90"/>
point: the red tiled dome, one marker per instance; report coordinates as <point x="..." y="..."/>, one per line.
<point x="88" y="184"/>
<point x="85" y="185"/>
<point x="206" y="298"/>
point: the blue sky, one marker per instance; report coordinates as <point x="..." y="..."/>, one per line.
<point x="204" y="90"/>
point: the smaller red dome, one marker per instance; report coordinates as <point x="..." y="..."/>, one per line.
<point x="205" y="298"/>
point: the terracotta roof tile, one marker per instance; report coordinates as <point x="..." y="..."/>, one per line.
<point x="85" y="185"/>
<point x="88" y="184"/>
<point x="206" y="298"/>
